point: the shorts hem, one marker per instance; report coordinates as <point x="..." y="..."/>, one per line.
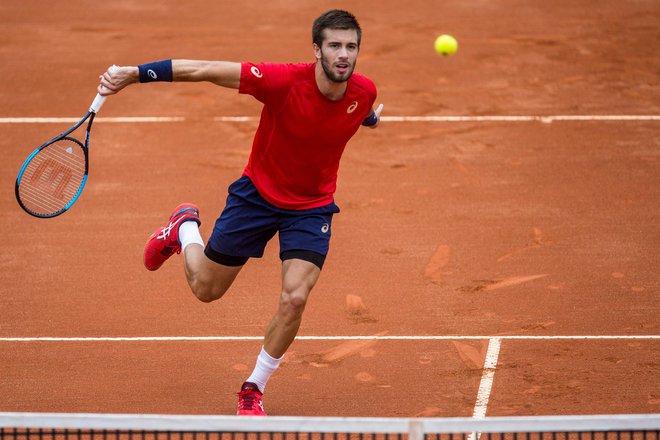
<point x="224" y="259"/>
<point x="299" y="254"/>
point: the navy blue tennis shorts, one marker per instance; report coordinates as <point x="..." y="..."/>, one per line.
<point x="248" y="222"/>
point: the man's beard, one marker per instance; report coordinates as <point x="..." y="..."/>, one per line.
<point x="332" y="76"/>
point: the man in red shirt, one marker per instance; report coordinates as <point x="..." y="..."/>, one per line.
<point x="310" y="112"/>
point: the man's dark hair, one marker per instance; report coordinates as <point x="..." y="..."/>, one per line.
<point x="335" y="19"/>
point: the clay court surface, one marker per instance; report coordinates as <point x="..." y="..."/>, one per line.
<point x="453" y="235"/>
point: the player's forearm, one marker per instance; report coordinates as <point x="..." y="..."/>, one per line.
<point x="222" y="73"/>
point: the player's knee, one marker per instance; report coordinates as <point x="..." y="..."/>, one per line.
<point x="206" y="297"/>
<point x="206" y="292"/>
<point x="293" y="303"/>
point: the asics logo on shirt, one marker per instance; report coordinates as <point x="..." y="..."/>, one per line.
<point x="352" y="107"/>
<point x="256" y="72"/>
<point x="152" y="74"/>
<point x="325" y="228"/>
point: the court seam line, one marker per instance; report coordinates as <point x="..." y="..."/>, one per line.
<point x="420" y="118"/>
<point x="319" y="338"/>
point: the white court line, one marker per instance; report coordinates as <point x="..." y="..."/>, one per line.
<point x="486" y="383"/>
<point x="487" y="376"/>
<point x="317" y="338"/>
<point x="493" y="118"/>
<point x="235" y="119"/>
<point x="545" y="119"/>
<point x="126" y="119"/>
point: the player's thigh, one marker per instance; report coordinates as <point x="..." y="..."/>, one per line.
<point x="216" y="278"/>
<point x="306" y="236"/>
<point x="298" y="278"/>
<point x="246" y="225"/>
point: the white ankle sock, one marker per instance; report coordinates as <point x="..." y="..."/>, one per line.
<point x="189" y="234"/>
<point x="266" y="366"/>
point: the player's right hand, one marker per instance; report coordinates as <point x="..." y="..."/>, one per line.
<point x="116" y="78"/>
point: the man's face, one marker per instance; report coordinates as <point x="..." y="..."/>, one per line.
<point x="338" y="53"/>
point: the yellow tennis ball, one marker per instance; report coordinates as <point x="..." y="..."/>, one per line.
<point x="446" y="45"/>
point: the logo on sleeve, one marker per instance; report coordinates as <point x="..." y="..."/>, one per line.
<point x="352" y="107"/>
<point x="256" y="72"/>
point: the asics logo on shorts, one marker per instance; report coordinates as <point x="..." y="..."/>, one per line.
<point x="256" y="72"/>
<point x="325" y="228"/>
<point x="352" y="107"/>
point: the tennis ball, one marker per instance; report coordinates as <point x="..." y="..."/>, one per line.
<point x="446" y="45"/>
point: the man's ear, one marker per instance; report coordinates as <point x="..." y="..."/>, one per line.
<point x="317" y="51"/>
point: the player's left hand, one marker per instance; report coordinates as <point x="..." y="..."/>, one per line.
<point x="377" y="112"/>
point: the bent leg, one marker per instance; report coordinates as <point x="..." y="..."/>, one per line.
<point x="298" y="279"/>
<point x="207" y="279"/>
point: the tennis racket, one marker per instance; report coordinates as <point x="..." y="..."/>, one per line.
<point x="54" y="175"/>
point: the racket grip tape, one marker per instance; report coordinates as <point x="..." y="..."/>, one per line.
<point x="97" y="103"/>
<point x="99" y="100"/>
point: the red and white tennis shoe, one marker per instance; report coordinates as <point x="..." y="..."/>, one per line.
<point x="165" y="241"/>
<point x="250" y="401"/>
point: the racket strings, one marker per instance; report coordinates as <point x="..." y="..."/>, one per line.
<point x="52" y="178"/>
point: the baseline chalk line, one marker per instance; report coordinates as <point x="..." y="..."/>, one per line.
<point x="319" y="338"/>
<point x="492" y="118"/>
<point x="122" y="119"/>
<point x="545" y="119"/>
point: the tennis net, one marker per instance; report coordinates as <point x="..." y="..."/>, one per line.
<point x="56" y="426"/>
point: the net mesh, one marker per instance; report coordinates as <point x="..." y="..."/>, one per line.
<point x="83" y="434"/>
<point x="124" y="427"/>
<point x="52" y="178"/>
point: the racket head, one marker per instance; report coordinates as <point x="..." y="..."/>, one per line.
<point x="52" y="177"/>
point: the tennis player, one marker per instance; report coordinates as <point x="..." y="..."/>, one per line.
<point x="310" y="112"/>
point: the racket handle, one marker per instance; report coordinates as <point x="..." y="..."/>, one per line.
<point x="97" y="103"/>
<point x="99" y="100"/>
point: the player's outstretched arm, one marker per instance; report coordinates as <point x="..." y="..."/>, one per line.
<point x="222" y="73"/>
<point x="373" y="119"/>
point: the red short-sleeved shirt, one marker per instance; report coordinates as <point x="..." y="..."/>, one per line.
<point x="302" y="134"/>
